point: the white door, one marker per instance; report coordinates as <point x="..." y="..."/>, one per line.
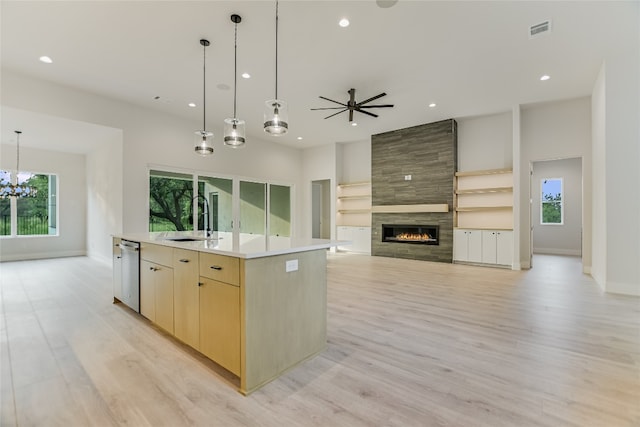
<point x="504" y="247"/>
<point x="475" y="246"/>
<point x="489" y="246"/>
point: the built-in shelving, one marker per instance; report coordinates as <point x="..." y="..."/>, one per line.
<point x="354" y="204"/>
<point x="484" y="199"/>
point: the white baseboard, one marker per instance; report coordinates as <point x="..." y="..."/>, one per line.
<point x="586" y="269"/>
<point x="41" y="255"/>
<point x="623" y="288"/>
<point x="556" y="251"/>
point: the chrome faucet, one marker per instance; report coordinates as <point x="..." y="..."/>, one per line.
<point x="207" y="226"/>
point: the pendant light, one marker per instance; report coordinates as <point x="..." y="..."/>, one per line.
<point x="204" y="139"/>
<point x="15" y="189"/>
<point x="234" y="128"/>
<point x="276" y="116"/>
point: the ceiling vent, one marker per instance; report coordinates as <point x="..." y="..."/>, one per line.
<point x="539" y="29"/>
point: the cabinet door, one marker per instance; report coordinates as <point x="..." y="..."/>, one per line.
<point x="147" y="290"/>
<point x="156" y="294"/>
<point x="475" y="246"/>
<point x="117" y="269"/>
<point x="489" y="246"/>
<point x="186" y="297"/>
<point x="460" y="245"/>
<point x="345" y="233"/>
<point x="220" y="323"/>
<point x="504" y="248"/>
<point x="362" y="239"/>
<point x="164" y="297"/>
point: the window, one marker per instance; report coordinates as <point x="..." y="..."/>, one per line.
<point x="30" y="216"/>
<point x="551" y="211"/>
<point x="170" y="201"/>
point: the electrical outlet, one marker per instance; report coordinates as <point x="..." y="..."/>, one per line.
<point x="291" y="265"/>
<point x="407" y="177"/>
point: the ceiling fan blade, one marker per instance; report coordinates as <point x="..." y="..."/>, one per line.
<point x="322" y="97"/>
<point x="337" y="113"/>
<point x="372" y="98"/>
<point x="377" y="106"/>
<point x="367" y="113"/>
<point x="328" y="108"/>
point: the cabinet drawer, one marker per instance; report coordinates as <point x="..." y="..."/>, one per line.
<point x="157" y="253"/>
<point x="221" y="268"/>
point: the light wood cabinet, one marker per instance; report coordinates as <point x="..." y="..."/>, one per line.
<point x="220" y="323"/>
<point x="117" y="269"/>
<point x="186" y="297"/>
<point x="156" y="284"/>
<point x="467" y="245"/>
<point x="156" y="294"/>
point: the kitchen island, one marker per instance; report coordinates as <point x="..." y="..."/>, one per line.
<point x="256" y="306"/>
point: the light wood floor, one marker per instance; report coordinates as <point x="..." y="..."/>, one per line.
<point x="410" y="343"/>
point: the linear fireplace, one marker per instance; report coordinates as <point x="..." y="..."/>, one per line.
<point x="416" y="234"/>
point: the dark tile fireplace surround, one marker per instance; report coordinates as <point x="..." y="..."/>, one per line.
<point x="427" y="153"/>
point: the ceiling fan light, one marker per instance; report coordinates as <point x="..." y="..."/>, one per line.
<point x="276" y="117"/>
<point x="204" y="142"/>
<point x="234" y="133"/>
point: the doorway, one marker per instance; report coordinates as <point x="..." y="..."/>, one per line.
<point x="321" y="209"/>
<point x="556" y="213"/>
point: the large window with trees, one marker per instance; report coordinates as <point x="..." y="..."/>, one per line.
<point x="170" y="201"/>
<point x="551" y="211"/>
<point x="30" y="216"/>
<point x="177" y="200"/>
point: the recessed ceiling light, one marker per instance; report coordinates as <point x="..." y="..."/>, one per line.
<point x="46" y="59"/>
<point x="299" y="138"/>
<point x="354" y="124"/>
<point x="246" y="75"/>
<point x="545" y="77"/>
<point x="192" y="104"/>
<point x="433" y="104"/>
<point x="344" y="22"/>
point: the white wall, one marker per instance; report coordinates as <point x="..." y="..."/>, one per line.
<point x="485" y="142"/>
<point x="599" y="195"/>
<point x="318" y="163"/>
<point x="151" y="137"/>
<point x="72" y="202"/>
<point x="356" y="161"/>
<point x="566" y="238"/>
<point x="555" y="131"/>
<point x="622" y="146"/>
<point x="104" y="197"/>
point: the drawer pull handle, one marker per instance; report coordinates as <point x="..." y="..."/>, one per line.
<point x="184" y="260"/>
<point x="216" y="267"/>
<point x="153" y="269"/>
<point x="200" y="283"/>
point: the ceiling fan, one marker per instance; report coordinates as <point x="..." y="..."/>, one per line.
<point x="352" y="105"/>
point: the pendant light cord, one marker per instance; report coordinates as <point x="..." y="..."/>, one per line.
<point x="276" y="49"/>
<point x="17" y="154"/>
<point x="235" y="70"/>
<point x="204" y="87"/>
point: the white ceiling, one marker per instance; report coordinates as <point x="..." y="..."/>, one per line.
<point x="471" y="58"/>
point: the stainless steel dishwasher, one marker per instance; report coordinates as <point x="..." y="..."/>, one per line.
<point x="131" y="274"/>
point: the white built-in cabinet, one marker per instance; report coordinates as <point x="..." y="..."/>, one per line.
<point x="483" y="217"/>
<point x="354" y="216"/>
<point x="359" y="236"/>
<point x="467" y="245"/>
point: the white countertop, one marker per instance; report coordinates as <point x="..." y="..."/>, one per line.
<point x="238" y="245"/>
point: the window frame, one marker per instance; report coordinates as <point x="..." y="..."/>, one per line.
<point x="543" y="202"/>
<point x="13" y="207"/>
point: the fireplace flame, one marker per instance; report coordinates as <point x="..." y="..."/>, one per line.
<point x="413" y="236"/>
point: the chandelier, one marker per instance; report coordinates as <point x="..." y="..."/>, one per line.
<point x="11" y="187"/>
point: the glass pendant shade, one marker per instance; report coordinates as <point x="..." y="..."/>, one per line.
<point x="234" y="133"/>
<point x="204" y="142"/>
<point x="276" y="117"/>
